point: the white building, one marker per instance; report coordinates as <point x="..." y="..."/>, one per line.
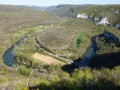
<point x="82" y="16"/>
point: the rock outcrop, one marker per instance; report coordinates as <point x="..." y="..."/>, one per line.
<point x="103" y="21"/>
<point x="117" y="26"/>
<point x="82" y="16"/>
<point x="117" y="11"/>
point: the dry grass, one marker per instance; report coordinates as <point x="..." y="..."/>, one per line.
<point x="59" y="36"/>
<point x="15" y="19"/>
<point x="46" y="59"/>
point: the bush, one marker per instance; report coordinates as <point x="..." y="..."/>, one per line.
<point x="45" y="85"/>
<point x="2" y="80"/>
<point x="19" y="86"/>
<point x="24" y="70"/>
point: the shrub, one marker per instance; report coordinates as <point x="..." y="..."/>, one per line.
<point x="20" y="86"/>
<point x="24" y="70"/>
<point x="2" y="80"/>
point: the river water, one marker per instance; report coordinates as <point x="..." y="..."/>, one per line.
<point x="9" y="54"/>
<point x="84" y="61"/>
<point x="90" y="52"/>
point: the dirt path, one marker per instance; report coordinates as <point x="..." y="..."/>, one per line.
<point x="66" y="46"/>
<point x="69" y="43"/>
<point x="46" y="59"/>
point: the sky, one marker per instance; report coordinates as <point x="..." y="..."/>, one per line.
<point x="57" y="2"/>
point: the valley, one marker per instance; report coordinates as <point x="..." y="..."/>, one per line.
<point x="64" y="47"/>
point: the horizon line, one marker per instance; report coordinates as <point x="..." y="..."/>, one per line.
<point x="55" y="5"/>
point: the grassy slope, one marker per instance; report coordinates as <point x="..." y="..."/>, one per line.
<point x="57" y="33"/>
<point x="61" y="39"/>
<point x="15" y="21"/>
<point x="67" y="10"/>
<point x="61" y="36"/>
<point x="60" y="31"/>
<point x="104" y="11"/>
<point x="65" y="31"/>
<point x="108" y="54"/>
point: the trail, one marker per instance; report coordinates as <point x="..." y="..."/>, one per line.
<point x="69" y="43"/>
<point x="67" y="46"/>
<point x="51" y="54"/>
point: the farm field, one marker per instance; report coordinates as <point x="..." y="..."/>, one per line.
<point x="46" y="59"/>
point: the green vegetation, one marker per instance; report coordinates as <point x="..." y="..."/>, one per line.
<point x="64" y="37"/>
<point x="112" y="12"/>
<point x="83" y="79"/>
<point x="79" y="39"/>
<point x="55" y="42"/>
<point x="24" y="71"/>
<point x="86" y="78"/>
<point x="19" y="86"/>
<point x="2" y="80"/>
<point x="107" y="51"/>
<point x="16" y="21"/>
<point x="67" y="10"/>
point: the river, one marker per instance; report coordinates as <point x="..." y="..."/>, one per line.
<point x="90" y="52"/>
<point x="9" y="54"/>
<point x="84" y="61"/>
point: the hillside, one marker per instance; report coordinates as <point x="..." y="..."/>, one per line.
<point x="51" y="49"/>
<point x="68" y="40"/>
<point x="107" y="50"/>
<point x="16" y="21"/>
<point x="67" y="10"/>
<point x="111" y="12"/>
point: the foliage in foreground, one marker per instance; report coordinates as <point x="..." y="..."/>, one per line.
<point x="81" y="79"/>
